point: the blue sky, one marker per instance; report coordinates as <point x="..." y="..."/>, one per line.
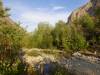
<point x="31" y="12"/>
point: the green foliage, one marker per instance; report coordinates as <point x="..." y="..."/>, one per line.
<point x="87" y="22"/>
<point x="26" y="40"/>
<point x="9" y="48"/>
<point x="97" y="28"/>
<point x="97" y="11"/>
<point x="3" y="11"/>
<point x="77" y="41"/>
<point x="10" y="45"/>
<point x="97" y="17"/>
<point x="21" y="69"/>
<point x="60" y="35"/>
<point x="63" y="37"/>
<point x="68" y="38"/>
<point x="42" y="37"/>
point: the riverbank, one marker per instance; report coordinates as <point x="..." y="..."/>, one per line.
<point x="78" y="63"/>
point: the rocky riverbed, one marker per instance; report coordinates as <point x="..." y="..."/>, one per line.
<point x="81" y="66"/>
<point x="78" y="64"/>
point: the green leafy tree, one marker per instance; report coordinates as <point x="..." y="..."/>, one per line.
<point x="76" y="40"/>
<point x="60" y="35"/>
<point x="87" y="22"/>
<point x="41" y="37"/>
<point x="10" y="44"/>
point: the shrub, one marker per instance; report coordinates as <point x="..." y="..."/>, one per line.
<point x="87" y="22"/>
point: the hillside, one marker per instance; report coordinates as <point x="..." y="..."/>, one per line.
<point x="88" y="8"/>
<point x="86" y="19"/>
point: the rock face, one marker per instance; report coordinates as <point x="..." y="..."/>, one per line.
<point x="86" y="9"/>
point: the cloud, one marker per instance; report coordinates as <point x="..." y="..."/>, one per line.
<point x="34" y="17"/>
<point x="58" y="7"/>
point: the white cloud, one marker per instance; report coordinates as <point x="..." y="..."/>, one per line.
<point x="31" y="18"/>
<point x="36" y="17"/>
<point x="58" y="7"/>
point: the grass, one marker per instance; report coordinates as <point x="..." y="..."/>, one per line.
<point x="39" y="52"/>
<point x="33" y="53"/>
<point x="51" y="53"/>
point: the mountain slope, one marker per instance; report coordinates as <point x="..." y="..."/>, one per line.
<point x="86" y="9"/>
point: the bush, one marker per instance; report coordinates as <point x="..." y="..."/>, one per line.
<point x="60" y="35"/>
<point x="76" y="40"/>
<point x="87" y="22"/>
<point x="42" y="38"/>
<point x="10" y="45"/>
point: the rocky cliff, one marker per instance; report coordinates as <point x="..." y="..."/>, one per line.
<point x="86" y="9"/>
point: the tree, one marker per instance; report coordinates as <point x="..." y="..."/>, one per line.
<point x="41" y="37"/>
<point x="77" y="41"/>
<point x="60" y="35"/>
<point x="10" y="44"/>
<point x="3" y="11"/>
<point x="87" y="22"/>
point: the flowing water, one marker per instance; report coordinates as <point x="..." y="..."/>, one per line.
<point x="75" y="65"/>
<point x="80" y="66"/>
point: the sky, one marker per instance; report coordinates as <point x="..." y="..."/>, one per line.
<point x="31" y="12"/>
